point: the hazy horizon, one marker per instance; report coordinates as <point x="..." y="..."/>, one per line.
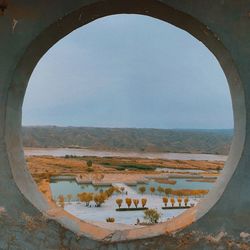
<point x="129" y="71"/>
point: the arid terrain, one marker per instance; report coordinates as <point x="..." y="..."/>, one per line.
<point x="130" y="139"/>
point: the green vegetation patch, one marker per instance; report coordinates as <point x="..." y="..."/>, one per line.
<point x="106" y="164"/>
<point x="135" y="167"/>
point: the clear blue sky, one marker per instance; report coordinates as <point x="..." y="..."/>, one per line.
<point x="129" y="71"/>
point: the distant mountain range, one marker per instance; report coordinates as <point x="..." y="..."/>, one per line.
<point x="130" y="139"/>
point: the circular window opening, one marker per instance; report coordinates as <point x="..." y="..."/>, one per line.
<point x="56" y="31"/>
<point x="136" y="125"/>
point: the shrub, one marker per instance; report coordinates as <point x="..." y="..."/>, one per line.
<point x="152" y="216"/>
<point x="110" y="219"/>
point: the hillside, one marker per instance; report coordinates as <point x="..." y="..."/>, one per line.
<point x="130" y="139"/>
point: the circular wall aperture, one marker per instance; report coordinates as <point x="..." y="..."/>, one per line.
<point x="60" y="28"/>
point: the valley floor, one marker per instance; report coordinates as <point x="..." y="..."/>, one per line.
<point x="107" y="170"/>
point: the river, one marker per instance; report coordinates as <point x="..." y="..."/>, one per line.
<point x="88" y="152"/>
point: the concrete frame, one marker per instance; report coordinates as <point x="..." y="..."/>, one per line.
<point x="27" y="30"/>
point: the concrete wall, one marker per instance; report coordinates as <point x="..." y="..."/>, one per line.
<point x="28" y="29"/>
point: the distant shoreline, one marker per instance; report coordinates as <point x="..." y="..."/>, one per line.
<point x="39" y="151"/>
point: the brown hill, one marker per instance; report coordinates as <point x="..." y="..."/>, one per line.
<point x="130" y="139"/>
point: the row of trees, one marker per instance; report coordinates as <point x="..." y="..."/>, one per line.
<point x="165" y="200"/>
<point x="98" y="198"/>
<point x="87" y="197"/>
<point x="129" y="201"/>
<point x="178" y="192"/>
<point x="160" y="189"/>
<point x="172" y="201"/>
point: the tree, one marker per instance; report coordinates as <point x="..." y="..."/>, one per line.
<point x="143" y="202"/>
<point x="100" y="199"/>
<point x="109" y="192"/>
<point x="136" y="202"/>
<point x="117" y="190"/>
<point x="165" y="201"/>
<point x="69" y="197"/>
<point x="61" y="200"/>
<point x="79" y="196"/>
<point x="119" y="202"/>
<point x="85" y="197"/>
<point x="122" y="189"/>
<point x="172" y="200"/>
<point x="142" y="189"/>
<point x="178" y="192"/>
<point x="89" y="198"/>
<point x="89" y="163"/>
<point x="160" y="189"/>
<point x="128" y="202"/>
<point x="179" y="199"/>
<point x="152" y="216"/>
<point x="152" y="190"/>
<point x="186" y="201"/>
<point x="168" y="191"/>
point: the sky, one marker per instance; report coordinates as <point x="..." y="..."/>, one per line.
<point x="129" y="71"/>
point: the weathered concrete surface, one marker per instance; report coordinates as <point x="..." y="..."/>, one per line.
<point x="27" y="30"/>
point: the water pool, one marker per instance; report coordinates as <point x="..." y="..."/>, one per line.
<point x="64" y="187"/>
